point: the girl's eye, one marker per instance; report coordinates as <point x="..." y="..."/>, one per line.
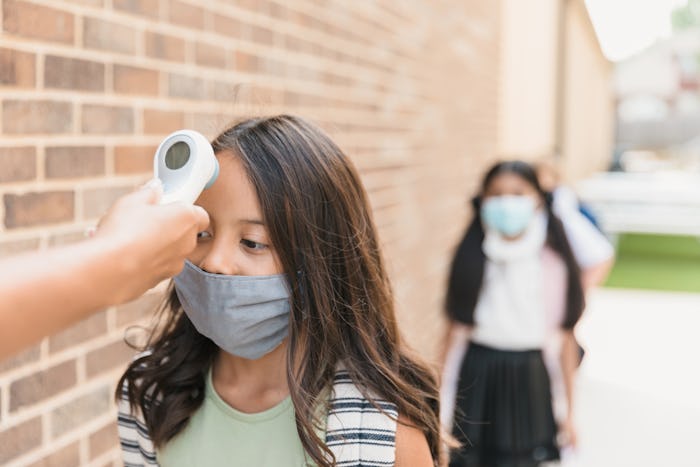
<point x="203" y="235"/>
<point x="251" y="245"/>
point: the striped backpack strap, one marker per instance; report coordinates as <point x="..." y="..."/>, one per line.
<point x="358" y="434"/>
<point x="136" y="444"/>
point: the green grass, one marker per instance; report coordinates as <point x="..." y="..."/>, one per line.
<point x="657" y="262"/>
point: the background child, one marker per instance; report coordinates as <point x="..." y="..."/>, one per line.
<point x="514" y="284"/>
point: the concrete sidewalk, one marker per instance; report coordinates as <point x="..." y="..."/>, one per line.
<point x="638" y="399"/>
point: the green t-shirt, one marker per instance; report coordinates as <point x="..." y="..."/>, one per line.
<point x="219" y="435"/>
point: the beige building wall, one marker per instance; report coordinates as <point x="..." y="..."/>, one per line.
<point x="556" y="96"/>
<point x="527" y="108"/>
<point x="589" y="109"/>
<point x="88" y="88"/>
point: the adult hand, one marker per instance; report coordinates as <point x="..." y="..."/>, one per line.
<point x="137" y="244"/>
<point x="150" y="240"/>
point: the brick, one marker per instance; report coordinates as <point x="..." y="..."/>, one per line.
<point x="31" y="117"/>
<point x="148" y="8"/>
<point x="108" y="357"/>
<point x="103" y="119"/>
<point x="221" y="91"/>
<point x="162" y="121"/>
<point x="17" y="68"/>
<point x="253" y="5"/>
<point x="68" y="456"/>
<point x="133" y="80"/>
<point x="39" y="386"/>
<point x="246" y="62"/>
<point x="20" y="439"/>
<point x="278" y="11"/>
<point x="18" y="164"/>
<point x="79" y="411"/>
<point x="14" y="247"/>
<point x="133" y="159"/>
<point x="184" y="14"/>
<point x="89" y="328"/>
<point x="209" y="55"/>
<point x="186" y="87"/>
<point x="231" y="27"/>
<point x="263" y="35"/>
<point x="143" y="307"/>
<point x="103" y="440"/>
<point x="25" y="357"/>
<point x="38" y="22"/>
<point x="71" y="73"/>
<point x="33" y="209"/>
<point x="271" y="66"/>
<point x="66" y="238"/>
<point x="75" y="161"/>
<point x="103" y="35"/>
<point x="292" y="42"/>
<point x="97" y="201"/>
<point x="165" y="47"/>
<point x="209" y="123"/>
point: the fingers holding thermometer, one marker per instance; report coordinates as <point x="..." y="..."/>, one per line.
<point x="183" y="166"/>
<point x="157" y="225"/>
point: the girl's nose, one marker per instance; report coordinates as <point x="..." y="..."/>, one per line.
<point x="220" y="259"/>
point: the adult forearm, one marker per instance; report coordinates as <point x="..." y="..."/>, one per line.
<point x="45" y="291"/>
<point x="138" y="244"/>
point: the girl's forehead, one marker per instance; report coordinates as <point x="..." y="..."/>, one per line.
<point x="509" y="181"/>
<point x="232" y="195"/>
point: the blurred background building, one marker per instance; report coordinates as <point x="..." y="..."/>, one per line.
<point x="556" y="101"/>
<point x="657" y="95"/>
<point x="422" y="95"/>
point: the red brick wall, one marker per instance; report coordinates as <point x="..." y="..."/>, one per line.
<point x="89" y="87"/>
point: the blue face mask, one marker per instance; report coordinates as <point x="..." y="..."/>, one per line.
<point x="508" y="215"/>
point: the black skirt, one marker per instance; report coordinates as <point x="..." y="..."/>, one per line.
<point x="503" y="415"/>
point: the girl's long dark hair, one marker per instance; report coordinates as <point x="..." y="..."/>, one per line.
<point x="467" y="270"/>
<point x="319" y="221"/>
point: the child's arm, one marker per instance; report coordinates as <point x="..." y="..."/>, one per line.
<point x="456" y="336"/>
<point x="454" y="348"/>
<point x="596" y="274"/>
<point x="569" y="361"/>
<point x="137" y="245"/>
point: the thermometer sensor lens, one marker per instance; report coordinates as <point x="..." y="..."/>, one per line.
<point x="177" y="156"/>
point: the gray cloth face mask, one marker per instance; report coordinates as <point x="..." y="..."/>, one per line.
<point x="247" y="316"/>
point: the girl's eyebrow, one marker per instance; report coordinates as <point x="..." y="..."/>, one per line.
<point x="251" y="221"/>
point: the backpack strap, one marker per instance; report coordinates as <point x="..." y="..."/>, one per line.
<point x="136" y="444"/>
<point x="358" y="433"/>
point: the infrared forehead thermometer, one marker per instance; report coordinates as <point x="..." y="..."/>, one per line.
<point x="186" y="165"/>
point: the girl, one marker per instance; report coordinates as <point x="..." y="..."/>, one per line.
<point x="514" y="281"/>
<point x="279" y="344"/>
